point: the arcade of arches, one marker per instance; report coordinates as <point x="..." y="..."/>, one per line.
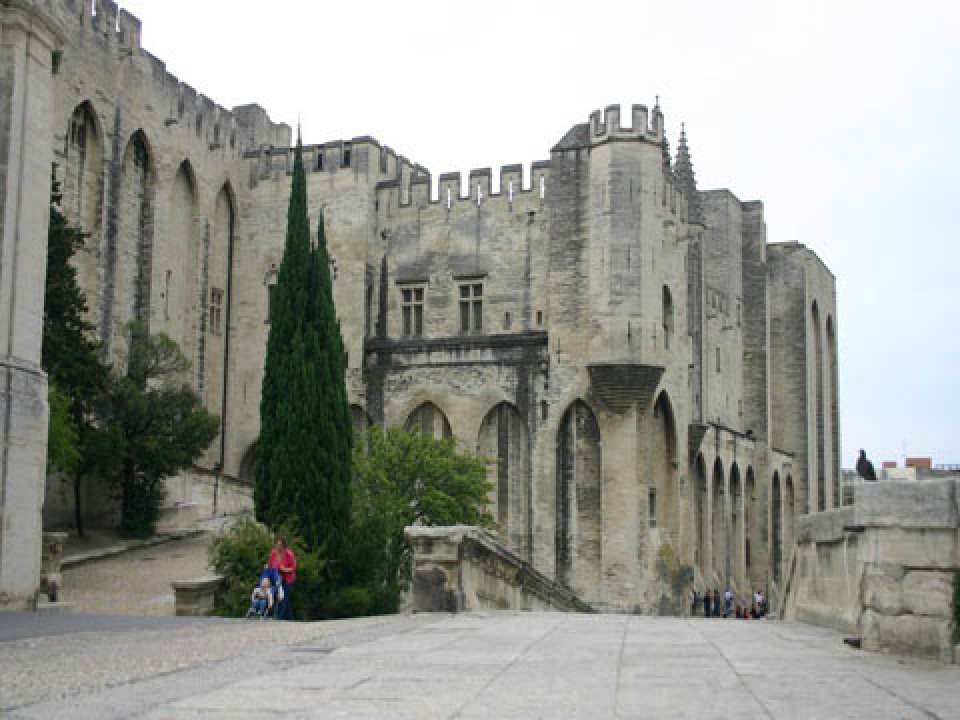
<point x="730" y="524"/>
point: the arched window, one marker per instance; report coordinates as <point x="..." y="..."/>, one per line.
<point x="430" y="420"/>
<point x="504" y="442"/>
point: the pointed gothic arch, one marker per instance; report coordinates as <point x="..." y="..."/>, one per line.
<point x="776" y="520"/>
<point x="83" y="169"/>
<point x="430" y="420"/>
<point x="504" y="442"/>
<point x="819" y="468"/>
<point x="579" y="501"/>
<point x="833" y="415"/>
<point x="216" y="302"/>
<point x="178" y="280"/>
<point x="129" y="248"/>
<point x="718" y="518"/>
<point x="735" y="543"/>
<point x="701" y="516"/>
<point x="662" y="487"/>
<point x="789" y="516"/>
<point x="751" y="519"/>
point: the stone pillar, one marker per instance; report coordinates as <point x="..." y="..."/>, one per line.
<point x="28" y="38"/>
<point x="623" y="522"/>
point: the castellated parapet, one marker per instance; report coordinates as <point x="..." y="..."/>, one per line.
<point x="653" y="382"/>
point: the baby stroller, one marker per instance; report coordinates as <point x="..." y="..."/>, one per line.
<point x="268" y="610"/>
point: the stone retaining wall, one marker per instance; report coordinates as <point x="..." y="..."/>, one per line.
<point x="884" y="569"/>
<point x="911" y="554"/>
<point x="462" y="569"/>
<point x="825" y="576"/>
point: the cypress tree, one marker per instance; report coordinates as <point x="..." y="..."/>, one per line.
<point x="303" y="457"/>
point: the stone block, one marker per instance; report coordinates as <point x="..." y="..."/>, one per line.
<point x="928" y="593"/>
<point x="195" y="598"/>
<point x="882" y="593"/>
<point x="907" y="505"/>
<point x="908" y="547"/>
<point x="823" y="527"/>
<point x="913" y="635"/>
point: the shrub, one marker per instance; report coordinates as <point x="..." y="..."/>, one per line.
<point x="240" y="554"/>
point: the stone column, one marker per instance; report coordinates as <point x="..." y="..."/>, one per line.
<point x="623" y="524"/>
<point x="28" y="38"/>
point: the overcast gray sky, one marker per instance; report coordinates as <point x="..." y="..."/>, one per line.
<point x="840" y="116"/>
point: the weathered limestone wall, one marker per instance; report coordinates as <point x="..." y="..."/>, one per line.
<point x="827" y="572"/>
<point x="884" y="568"/>
<point x="459" y="569"/>
<point x="803" y="371"/>
<point x="625" y="462"/>
<point x="155" y="172"/>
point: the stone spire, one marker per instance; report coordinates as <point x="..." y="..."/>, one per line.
<point x="665" y="144"/>
<point x="686" y="179"/>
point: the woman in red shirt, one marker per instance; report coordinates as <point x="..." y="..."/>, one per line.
<point x="282" y="558"/>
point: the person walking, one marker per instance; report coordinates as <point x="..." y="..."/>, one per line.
<point x="283" y="559"/>
<point x="717" y="603"/>
<point x="706" y="603"/>
<point x="727" y="602"/>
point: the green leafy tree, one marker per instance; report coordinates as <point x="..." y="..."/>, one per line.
<point x="304" y="452"/>
<point x="150" y="426"/>
<point x="408" y="478"/>
<point x="63" y="451"/>
<point x="71" y="357"/>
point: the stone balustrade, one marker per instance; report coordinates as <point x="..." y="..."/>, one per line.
<point x="196" y="597"/>
<point x="463" y="569"/>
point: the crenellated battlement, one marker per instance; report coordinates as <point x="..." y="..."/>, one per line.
<point x="643" y="123"/>
<point x="103" y="26"/>
<point x="608" y="126"/>
<point x="452" y="194"/>
<point x="362" y="153"/>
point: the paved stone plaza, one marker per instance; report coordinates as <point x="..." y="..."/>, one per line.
<point x="468" y="666"/>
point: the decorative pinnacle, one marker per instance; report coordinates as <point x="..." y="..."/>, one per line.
<point x="683" y="171"/>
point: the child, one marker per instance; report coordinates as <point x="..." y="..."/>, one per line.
<point x="262" y="597"/>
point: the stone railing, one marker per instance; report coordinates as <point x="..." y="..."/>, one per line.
<point x="884" y="569"/>
<point x="196" y="597"/>
<point x="463" y="569"/>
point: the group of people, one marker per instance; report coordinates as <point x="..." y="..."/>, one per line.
<point x="713" y="603"/>
<point x="273" y="594"/>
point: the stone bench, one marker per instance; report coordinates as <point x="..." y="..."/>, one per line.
<point x="195" y="598"/>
